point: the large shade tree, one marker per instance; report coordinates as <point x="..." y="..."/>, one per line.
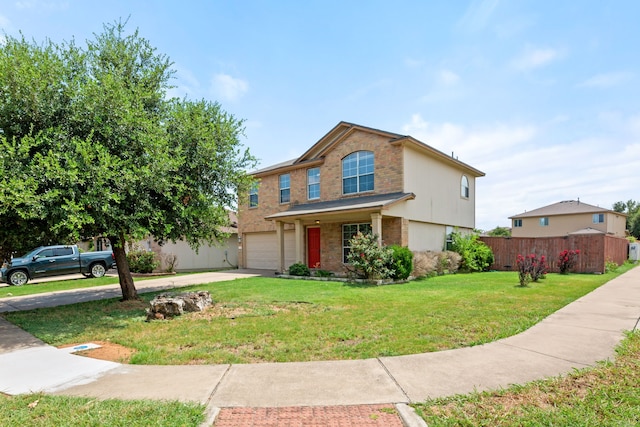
<point x="632" y="209"/>
<point x="92" y="146"/>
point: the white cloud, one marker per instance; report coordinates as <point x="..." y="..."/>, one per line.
<point x="42" y="4"/>
<point x="228" y="87"/>
<point x="413" y="63"/>
<point x="523" y="172"/>
<point x="185" y="82"/>
<point x="535" y="58"/>
<point x="477" y="15"/>
<point x="448" y="77"/>
<point x="4" y="21"/>
<point x="607" y="80"/>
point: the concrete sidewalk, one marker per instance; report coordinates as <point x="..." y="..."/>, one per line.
<point x="577" y="336"/>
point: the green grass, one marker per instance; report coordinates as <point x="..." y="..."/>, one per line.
<point x="275" y="320"/>
<point x="41" y="410"/>
<point x="607" y="395"/>
<point x="64" y="285"/>
<point x="53" y="286"/>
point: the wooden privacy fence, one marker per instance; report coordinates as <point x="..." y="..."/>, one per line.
<point x="595" y="250"/>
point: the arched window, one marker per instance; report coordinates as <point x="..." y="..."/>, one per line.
<point x="357" y="172"/>
<point x="464" y="187"/>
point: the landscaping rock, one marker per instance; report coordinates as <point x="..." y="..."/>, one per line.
<point x="166" y="306"/>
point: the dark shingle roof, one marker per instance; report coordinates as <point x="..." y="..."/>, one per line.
<point x="363" y="202"/>
<point x="566" y="207"/>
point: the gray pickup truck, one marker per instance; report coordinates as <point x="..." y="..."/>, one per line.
<point x="54" y="261"/>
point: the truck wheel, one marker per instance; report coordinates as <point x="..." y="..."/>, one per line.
<point x="97" y="270"/>
<point x="18" y="278"/>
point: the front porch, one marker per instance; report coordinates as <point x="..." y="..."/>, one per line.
<point x="321" y="230"/>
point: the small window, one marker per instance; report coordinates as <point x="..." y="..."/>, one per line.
<point x="47" y="253"/>
<point x="62" y="251"/>
<point x="464" y="187"/>
<point x="357" y="172"/>
<point x="253" y="196"/>
<point x="285" y="188"/>
<point x="350" y="230"/>
<point x="313" y="183"/>
<point x="448" y="237"/>
<point x="598" y="218"/>
<point x="517" y="223"/>
<point x="544" y="221"/>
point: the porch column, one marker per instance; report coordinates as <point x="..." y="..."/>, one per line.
<point x="299" y="242"/>
<point x="376" y="226"/>
<point x="280" y="239"/>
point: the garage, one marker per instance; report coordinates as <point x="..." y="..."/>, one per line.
<point x="261" y="250"/>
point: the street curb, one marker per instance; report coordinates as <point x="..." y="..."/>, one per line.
<point x="210" y="414"/>
<point x="409" y="416"/>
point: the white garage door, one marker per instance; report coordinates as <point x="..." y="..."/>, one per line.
<point x="262" y="250"/>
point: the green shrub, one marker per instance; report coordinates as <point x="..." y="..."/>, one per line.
<point x="448" y="262"/>
<point x="611" y="266"/>
<point x="141" y="261"/>
<point x="322" y="273"/>
<point x="431" y="263"/>
<point x="367" y="259"/>
<point x="476" y="255"/>
<point x="299" y="269"/>
<point x="401" y="262"/>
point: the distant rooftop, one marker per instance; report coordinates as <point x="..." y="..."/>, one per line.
<point x="566" y="207"/>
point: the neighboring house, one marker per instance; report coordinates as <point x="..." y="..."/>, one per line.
<point x="354" y="179"/>
<point x="208" y="257"/>
<point x="568" y="217"/>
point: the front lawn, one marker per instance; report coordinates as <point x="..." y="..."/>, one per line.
<point x="607" y="395"/>
<point x="42" y="410"/>
<point x="78" y="282"/>
<point x="57" y="285"/>
<point x="276" y="320"/>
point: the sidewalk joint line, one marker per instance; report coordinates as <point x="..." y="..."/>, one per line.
<point x="404" y="393"/>
<point x="545" y="354"/>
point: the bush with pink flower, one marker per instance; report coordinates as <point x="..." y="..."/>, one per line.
<point x="567" y="260"/>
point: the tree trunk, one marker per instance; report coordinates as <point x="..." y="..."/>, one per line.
<point x="129" y="291"/>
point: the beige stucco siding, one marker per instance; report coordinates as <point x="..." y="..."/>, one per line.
<point x="207" y="257"/>
<point x="437" y="189"/>
<point x="425" y="236"/>
<point x="561" y="225"/>
<point x="616" y="224"/>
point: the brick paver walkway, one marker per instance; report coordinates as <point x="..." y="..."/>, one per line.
<point x="311" y="416"/>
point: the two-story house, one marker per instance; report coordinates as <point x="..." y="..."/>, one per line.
<point x="354" y="179"/>
<point x="568" y="217"/>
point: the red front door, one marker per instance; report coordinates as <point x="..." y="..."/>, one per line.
<point x="313" y="247"/>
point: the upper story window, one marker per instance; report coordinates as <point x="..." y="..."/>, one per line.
<point x="313" y="183"/>
<point x="517" y="223"/>
<point x="464" y="187"/>
<point x="285" y="188"/>
<point x="544" y="221"/>
<point x="357" y="172"/>
<point x="253" y="196"/>
<point x="598" y="218"/>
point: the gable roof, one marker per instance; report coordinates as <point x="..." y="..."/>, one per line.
<point x="566" y="207"/>
<point x="317" y="152"/>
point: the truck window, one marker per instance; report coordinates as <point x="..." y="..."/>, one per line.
<point x="62" y="251"/>
<point x="47" y="253"/>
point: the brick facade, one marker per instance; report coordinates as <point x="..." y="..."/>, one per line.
<point x="327" y="155"/>
<point x="388" y="179"/>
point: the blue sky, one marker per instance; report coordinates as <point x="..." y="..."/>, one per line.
<point x="540" y="95"/>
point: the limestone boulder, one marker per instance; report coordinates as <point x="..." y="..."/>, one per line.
<point x="165" y="306"/>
